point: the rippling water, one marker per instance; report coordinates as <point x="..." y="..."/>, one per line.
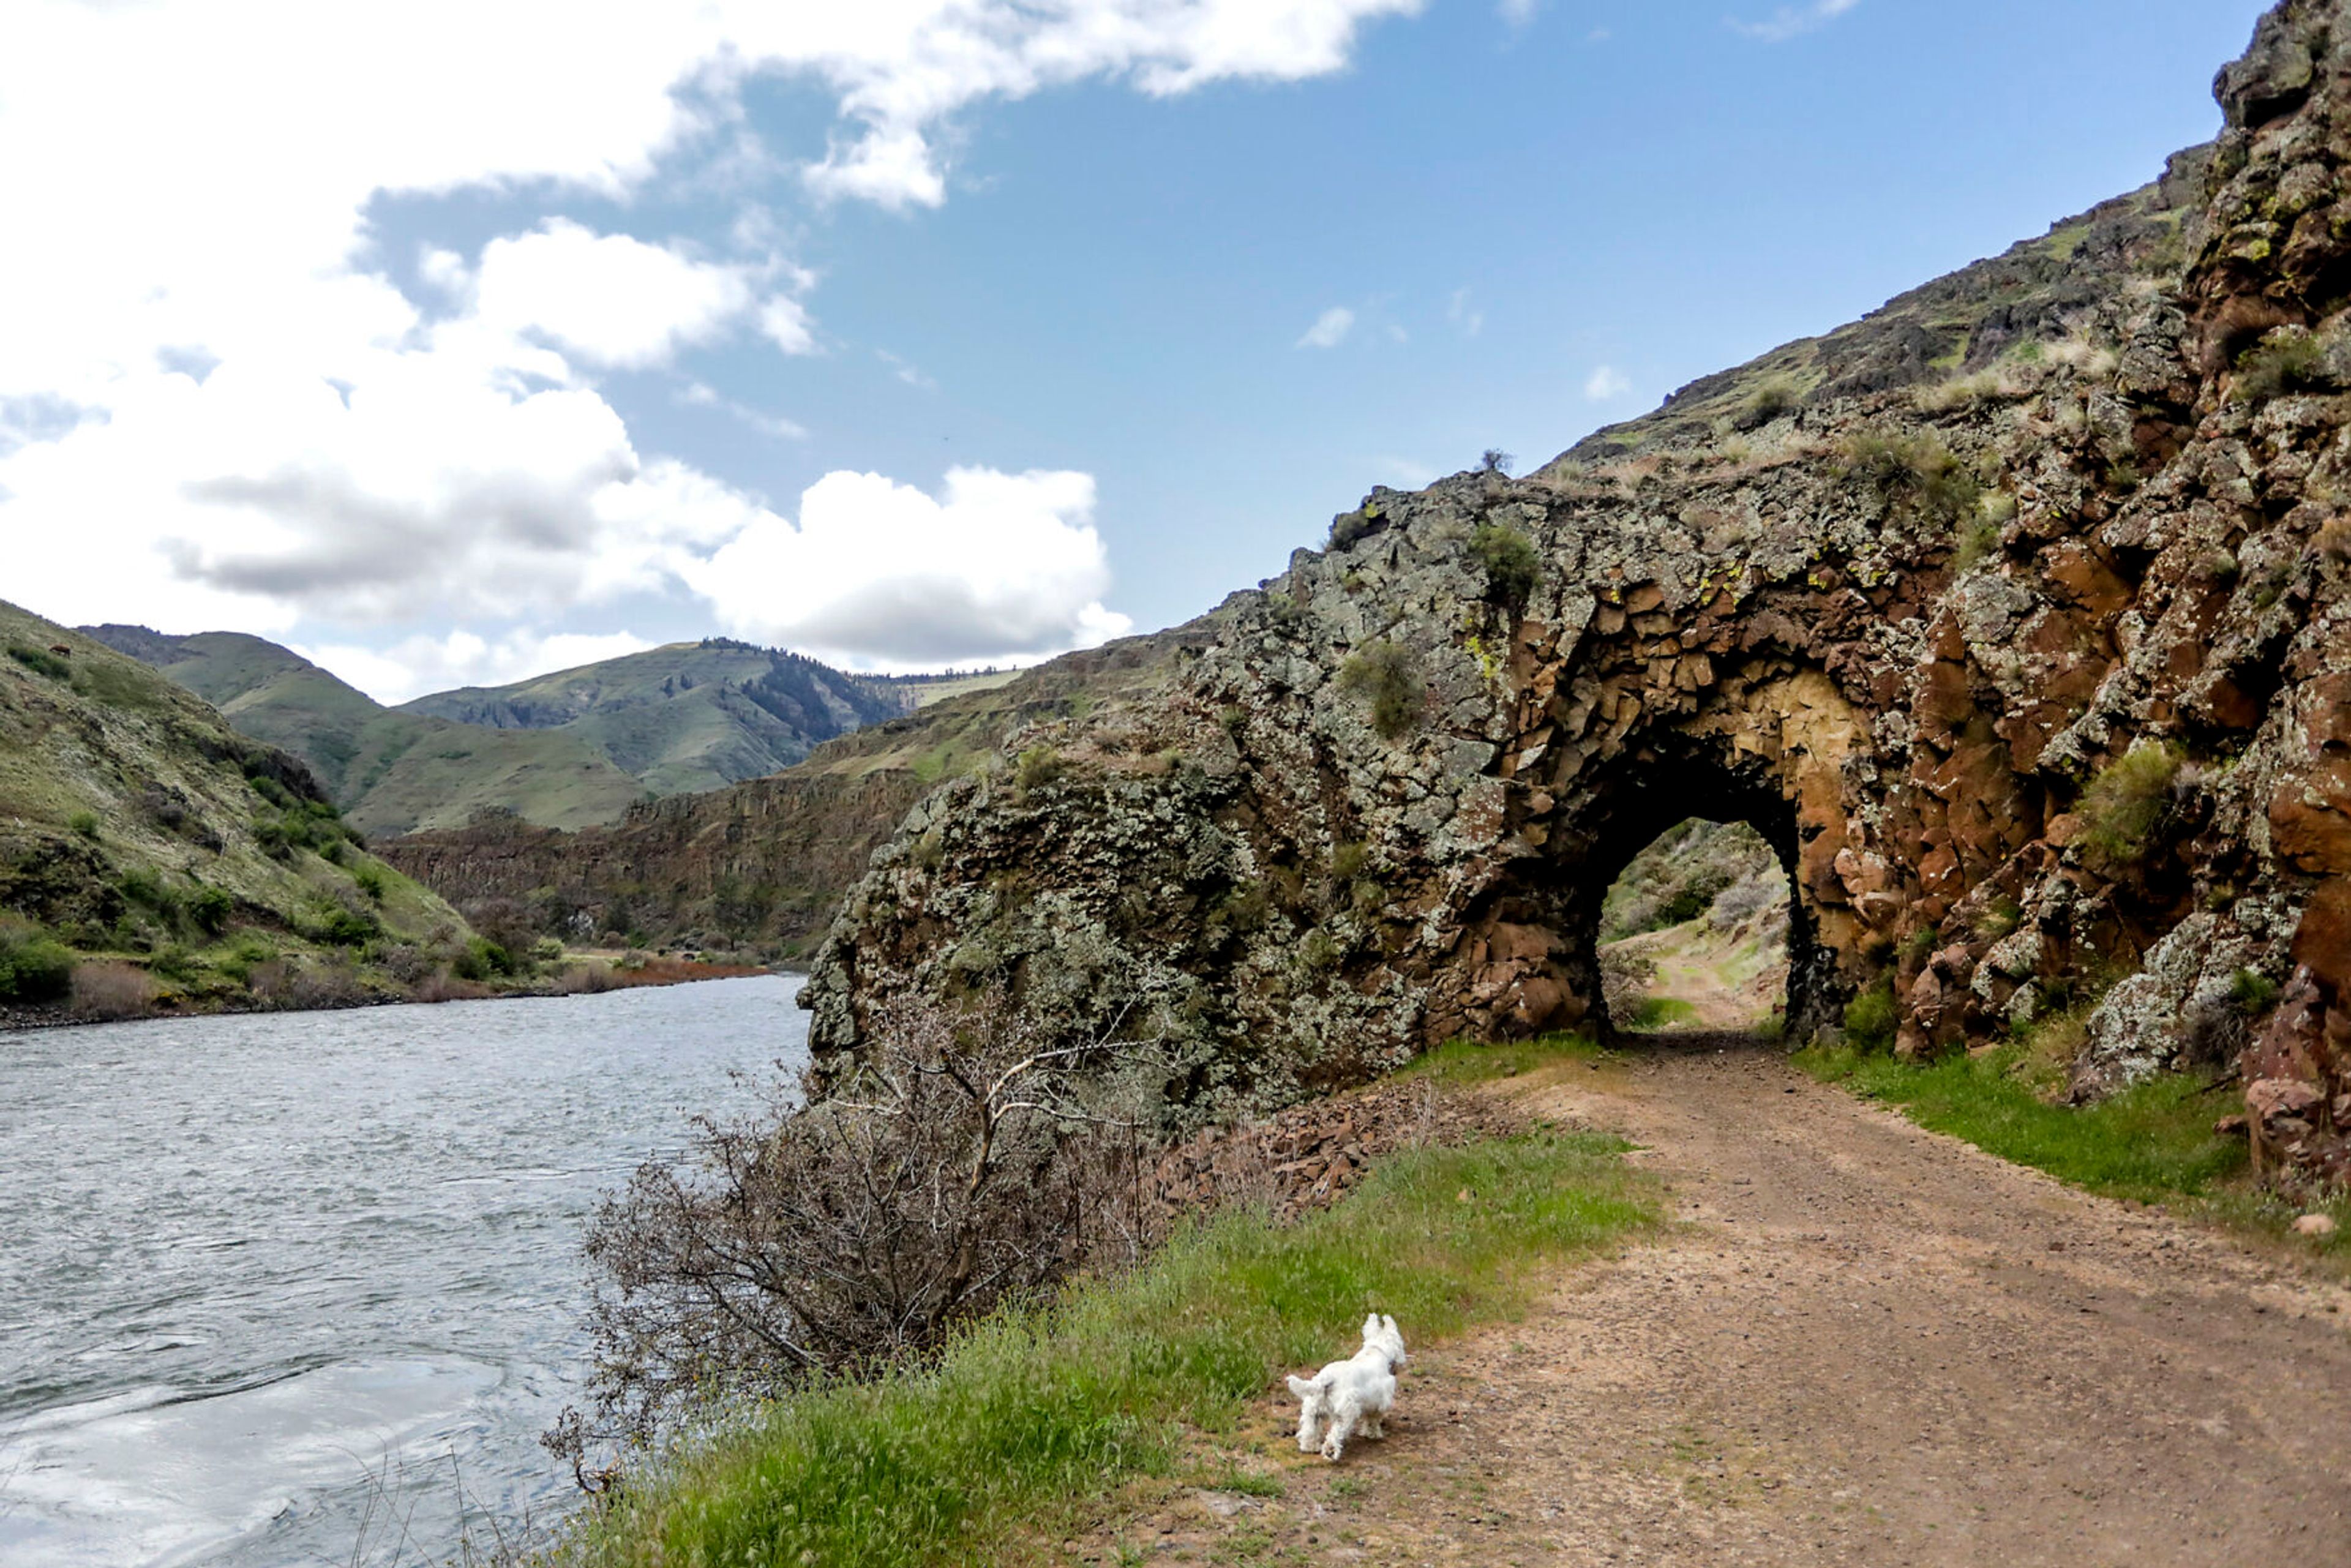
<point x="270" y="1285"/>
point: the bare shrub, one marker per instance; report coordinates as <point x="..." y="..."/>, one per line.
<point x="329" y="983"/>
<point x="109" y="989"/>
<point x="959" y="1162"/>
<point x="405" y="962"/>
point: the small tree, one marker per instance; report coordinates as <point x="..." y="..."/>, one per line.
<point x="1494" y="460"/>
<point x="1511" y="565"/>
<point x="960" y="1160"/>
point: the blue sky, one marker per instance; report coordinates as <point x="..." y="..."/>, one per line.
<point x="575" y="378"/>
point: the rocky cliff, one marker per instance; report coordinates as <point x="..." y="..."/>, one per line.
<point x="2015" y="617"/>
<point x="761" y="864"/>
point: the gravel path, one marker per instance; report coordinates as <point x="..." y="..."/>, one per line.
<point x="1863" y="1343"/>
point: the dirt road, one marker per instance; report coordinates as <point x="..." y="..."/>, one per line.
<point x="1862" y="1343"/>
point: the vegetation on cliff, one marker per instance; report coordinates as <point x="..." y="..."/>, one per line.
<point x="2012" y="617"/>
<point x="151" y="856"/>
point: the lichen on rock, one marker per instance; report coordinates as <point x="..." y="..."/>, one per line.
<point x="1919" y="599"/>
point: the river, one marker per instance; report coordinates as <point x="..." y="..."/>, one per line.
<point x="279" y="1288"/>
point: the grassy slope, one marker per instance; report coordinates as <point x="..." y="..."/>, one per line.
<point x="391" y="771"/>
<point x="1038" y="1415"/>
<point x="682" y="718"/>
<point x="2151" y="1144"/>
<point x="1930" y="333"/>
<point x="124" y="797"/>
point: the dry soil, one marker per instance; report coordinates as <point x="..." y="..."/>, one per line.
<point x="1860" y="1342"/>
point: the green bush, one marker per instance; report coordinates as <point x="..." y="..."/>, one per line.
<point x="1871" y="1018"/>
<point x="210" y="908"/>
<point x="1508" y="559"/>
<point x="1777" y="396"/>
<point x="348" y="927"/>
<point x="2286" y="362"/>
<point x="372" y="879"/>
<point x="84" y="824"/>
<point x="1349" y="527"/>
<point x="1388" y="676"/>
<point x="1913" y="475"/>
<point x="2126" y="807"/>
<point x="34" y="966"/>
<point x="2253" y="992"/>
<point x="1038" y="766"/>
<point x="40" y="661"/>
<point x="174" y="961"/>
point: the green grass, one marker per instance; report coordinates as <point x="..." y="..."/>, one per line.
<point x="1657" y="1013"/>
<point x="1463" y="1062"/>
<point x="2149" y="1143"/>
<point x="1037" y="1413"/>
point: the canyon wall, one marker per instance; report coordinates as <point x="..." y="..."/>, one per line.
<point x="2014" y="616"/>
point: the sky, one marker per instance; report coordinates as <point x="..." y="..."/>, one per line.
<point x="454" y="342"/>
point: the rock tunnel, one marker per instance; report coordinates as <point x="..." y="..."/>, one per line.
<point x="1550" y="908"/>
<point x="2032" y="680"/>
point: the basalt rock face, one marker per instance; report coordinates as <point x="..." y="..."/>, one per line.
<point x="2015" y="617"/>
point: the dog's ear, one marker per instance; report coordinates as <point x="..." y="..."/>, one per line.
<point x="1390" y="1322"/>
<point x="1303" y="1389"/>
<point x="1371" y="1327"/>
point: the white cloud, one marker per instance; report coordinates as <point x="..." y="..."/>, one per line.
<point x="219" y="407"/>
<point x="1606" y="384"/>
<point x="1330" y="329"/>
<point x="697" y="394"/>
<point x="784" y="323"/>
<point x="906" y="371"/>
<point x="420" y="664"/>
<point x="616" y="300"/>
<point x="1519" y="13"/>
<point x="1462" y="314"/>
<point x="998" y="567"/>
<point x="1792" y="21"/>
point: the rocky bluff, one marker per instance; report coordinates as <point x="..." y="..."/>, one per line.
<point x="2017" y="617"/>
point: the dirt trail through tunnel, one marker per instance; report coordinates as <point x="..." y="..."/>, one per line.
<point x="1863" y="1343"/>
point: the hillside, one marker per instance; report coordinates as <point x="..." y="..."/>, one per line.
<point x="149" y="854"/>
<point x="684" y="717"/>
<point x="565" y="750"/>
<point x="761" y="863"/>
<point x="2016" y="619"/>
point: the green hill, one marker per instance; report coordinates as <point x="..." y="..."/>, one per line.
<point x="566" y="750"/>
<point x="153" y="853"/>
<point x="685" y="717"/>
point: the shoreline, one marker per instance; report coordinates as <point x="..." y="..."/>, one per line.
<point x="19" y="1018"/>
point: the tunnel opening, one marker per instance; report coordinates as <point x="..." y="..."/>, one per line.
<point x="1694" y="935"/>
<point x="1643" y="838"/>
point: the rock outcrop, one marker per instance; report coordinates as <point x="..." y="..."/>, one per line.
<point x="2015" y="617"/>
<point x="760" y="865"/>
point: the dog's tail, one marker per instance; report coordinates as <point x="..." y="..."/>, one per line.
<point x="1304" y="1388"/>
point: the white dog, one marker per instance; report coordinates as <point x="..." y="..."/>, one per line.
<point x="1350" y="1398"/>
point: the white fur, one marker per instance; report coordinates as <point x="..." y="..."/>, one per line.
<point x="1351" y="1398"/>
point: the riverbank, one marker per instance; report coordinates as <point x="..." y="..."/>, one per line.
<point x="600" y="972"/>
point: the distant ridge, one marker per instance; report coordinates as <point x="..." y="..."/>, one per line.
<point x="569" y="750"/>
